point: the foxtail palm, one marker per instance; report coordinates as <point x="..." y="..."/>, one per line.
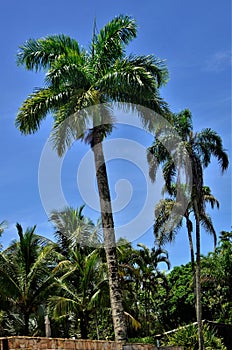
<point x="76" y="79"/>
<point x="201" y="147"/>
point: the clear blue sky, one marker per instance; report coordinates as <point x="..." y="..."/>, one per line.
<point x="195" y="39"/>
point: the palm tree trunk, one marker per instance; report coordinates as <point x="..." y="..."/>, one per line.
<point x="198" y="281"/>
<point x="189" y="229"/>
<point x="84" y="325"/>
<point x="118" y="316"/>
<point x="96" y="324"/>
<point x="26" y="323"/>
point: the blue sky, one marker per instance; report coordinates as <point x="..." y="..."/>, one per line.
<point x="193" y="37"/>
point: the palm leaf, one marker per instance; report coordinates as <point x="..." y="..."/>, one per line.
<point x="35" y="108"/>
<point x="109" y="44"/>
<point x="41" y="53"/>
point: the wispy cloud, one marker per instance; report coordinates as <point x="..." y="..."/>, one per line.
<point x="218" y="61"/>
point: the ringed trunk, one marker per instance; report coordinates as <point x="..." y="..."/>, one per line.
<point x="118" y="315"/>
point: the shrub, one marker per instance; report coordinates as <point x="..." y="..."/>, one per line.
<point x="187" y="336"/>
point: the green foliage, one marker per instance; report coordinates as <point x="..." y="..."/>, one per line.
<point x="75" y="284"/>
<point x="80" y="289"/>
<point x="187" y="336"/>
<point x="145" y="340"/>
<point x="217" y="280"/>
<point x="178" y="306"/>
<point x="25" y="277"/>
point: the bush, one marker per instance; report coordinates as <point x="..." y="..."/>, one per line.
<point x="145" y="340"/>
<point x="187" y="336"/>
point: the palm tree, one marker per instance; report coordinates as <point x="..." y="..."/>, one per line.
<point x="201" y="147"/>
<point x="74" y="229"/>
<point x="24" y="274"/>
<point x="166" y="229"/>
<point x="79" y="288"/>
<point x="76" y="79"/>
<point x="149" y="276"/>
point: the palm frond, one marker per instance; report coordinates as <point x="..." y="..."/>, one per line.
<point x="167" y="222"/>
<point x="36" y="107"/>
<point x="9" y="277"/>
<point x="134" y="323"/>
<point x="109" y="44"/>
<point x="209" y="198"/>
<point x="62" y="306"/>
<point x="209" y="143"/>
<point x="206" y="222"/>
<point x="39" y="267"/>
<point x="41" y="53"/>
<point x="183" y="123"/>
<point x="157" y="154"/>
<point x="70" y="71"/>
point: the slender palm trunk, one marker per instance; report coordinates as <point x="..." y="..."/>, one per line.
<point x="26" y="323"/>
<point x="118" y="316"/>
<point x="146" y="311"/>
<point x="84" y="325"/>
<point x="189" y="229"/>
<point x="96" y="324"/>
<point x="198" y="281"/>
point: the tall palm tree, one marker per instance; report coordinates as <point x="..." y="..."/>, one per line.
<point x="24" y="274"/>
<point x="201" y="147"/>
<point x="76" y="79"/>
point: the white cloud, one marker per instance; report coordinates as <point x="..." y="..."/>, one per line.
<point x="218" y="61"/>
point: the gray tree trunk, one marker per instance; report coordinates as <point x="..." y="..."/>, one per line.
<point x="189" y="229"/>
<point x="118" y="315"/>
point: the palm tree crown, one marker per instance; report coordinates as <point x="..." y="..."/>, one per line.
<point x="76" y="78"/>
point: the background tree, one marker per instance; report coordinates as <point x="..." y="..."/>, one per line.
<point x="78" y="290"/>
<point x="74" y="229"/>
<point x="188" y="337"/>
<point x="25" y="277"/>
<point x="167" y="224"/>
<point x="149" y="279"/>
<point x="76" y="79"/>
<point x="217" y="280"/>
<point x="201" y="147"/>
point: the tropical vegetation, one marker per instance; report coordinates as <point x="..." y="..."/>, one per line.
<point x="87" y="284"/>
<point x="72" y="289"/>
